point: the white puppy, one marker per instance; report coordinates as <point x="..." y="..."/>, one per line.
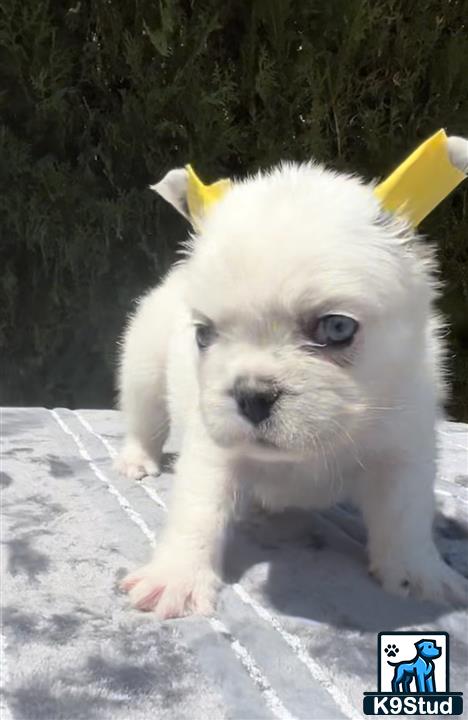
<point x="297" y="347"/>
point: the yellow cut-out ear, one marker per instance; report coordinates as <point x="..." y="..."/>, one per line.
<point x="422" y="181"/>
<point x="200" y="196"/>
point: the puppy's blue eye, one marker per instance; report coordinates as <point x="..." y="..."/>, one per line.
<point x="204" y="335"/>
<point x="334" y="330"/>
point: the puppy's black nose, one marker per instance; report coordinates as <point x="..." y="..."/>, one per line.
<point x="254" y="401"/>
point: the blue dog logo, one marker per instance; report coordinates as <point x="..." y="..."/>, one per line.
<point x="421" y="668"/>
<point x="420" y="686"/>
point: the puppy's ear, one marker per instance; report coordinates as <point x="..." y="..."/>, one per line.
<point x="189" y="195"/>
<point x="458" y="153"/>
<point x="173" y="188"/>
<point x="425" y="178"/>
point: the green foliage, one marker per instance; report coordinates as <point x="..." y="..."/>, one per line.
<point x="100" y="98"/>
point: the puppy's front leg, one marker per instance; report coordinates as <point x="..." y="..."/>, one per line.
<point x="183" y="576"/>
<point x="396" y="498"/>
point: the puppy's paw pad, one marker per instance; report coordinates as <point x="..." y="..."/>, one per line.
<point x="150" y="600"/>
<point x="135" y="463"/>
<point x="391" y="650"/>
<point x="171" y="592"/>
<point x="129" y="582"/>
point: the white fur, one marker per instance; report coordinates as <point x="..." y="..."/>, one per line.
<point x="458" y="152"/>
<point x="356" y="424"/>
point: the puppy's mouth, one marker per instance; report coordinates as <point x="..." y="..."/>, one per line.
<point x="268" y="452"/>
<point x="264" y="443"/>
<point x="258" y="447"/>
<point x="261" y="448"/>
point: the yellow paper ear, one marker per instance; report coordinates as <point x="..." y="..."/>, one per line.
<point x="413" y="190"/>
<point x="200" y="196"/>
<point x="422" y="181"/>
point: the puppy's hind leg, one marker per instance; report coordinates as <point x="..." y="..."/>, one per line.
<point x="142" y="384"/>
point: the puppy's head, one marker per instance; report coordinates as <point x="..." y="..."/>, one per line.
<point x="309" y="309"/>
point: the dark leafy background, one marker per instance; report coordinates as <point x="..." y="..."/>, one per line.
<point x="98" y="99"/>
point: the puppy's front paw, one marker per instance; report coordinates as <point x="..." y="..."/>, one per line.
<point x="134" y="462"/>
<point x="428" y="578"/>
<point x="173" y="590"/>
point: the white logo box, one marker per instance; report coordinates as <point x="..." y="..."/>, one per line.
<point x="405" y="642"/>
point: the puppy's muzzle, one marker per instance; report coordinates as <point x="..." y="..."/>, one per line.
<point x="255" y="398"/>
